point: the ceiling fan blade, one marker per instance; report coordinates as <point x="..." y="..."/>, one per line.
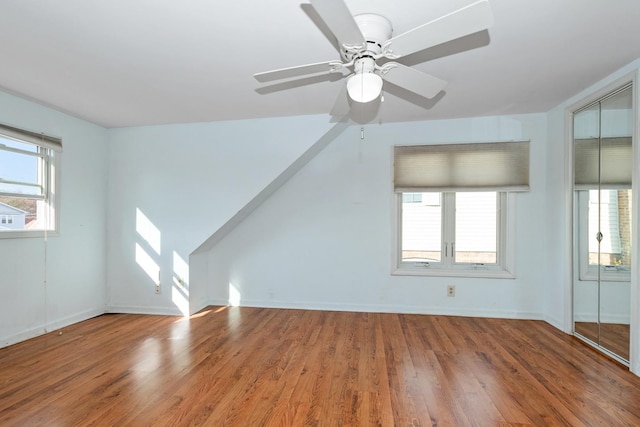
<point x="413" y="80"/>
<point x="468" y="20"/>
<point x="339" y="20"/>
<point x="300" y="70"/>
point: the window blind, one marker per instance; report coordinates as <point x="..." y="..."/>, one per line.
<point x="492" y="166"/>
<point x="32" y="137"/>
<point x="613" y="170"/>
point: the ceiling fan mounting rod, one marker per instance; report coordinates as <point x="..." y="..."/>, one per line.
<point x="375" y="30"/>
<point x="364" y="64"/>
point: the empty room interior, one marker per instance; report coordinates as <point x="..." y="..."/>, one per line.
<point x="201" y="223"/>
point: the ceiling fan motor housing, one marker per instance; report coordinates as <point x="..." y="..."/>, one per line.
<point x="366" y="38"/>
<point x="376" y="30"/>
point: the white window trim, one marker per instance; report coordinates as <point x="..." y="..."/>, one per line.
<point x="587" y="272"/>
<point x="50" y="205"/>
<point x="503" y="270"/>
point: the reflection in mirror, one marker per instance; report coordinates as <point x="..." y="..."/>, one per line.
<point x="602" y="222"/>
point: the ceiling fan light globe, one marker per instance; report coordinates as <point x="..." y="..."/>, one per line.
<point x="364" y="87"/>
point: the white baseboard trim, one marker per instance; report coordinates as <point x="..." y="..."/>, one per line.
<point x="605" y="318"/>
<point x="51" y="325"/>
<point x="196" y="307"/>
<point x="384" y="308"/>
<point x="135" y="309"/>
<point x="558" y="324"/>
<point x="217" y="302"/>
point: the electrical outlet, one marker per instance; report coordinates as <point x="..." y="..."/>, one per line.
<point x="451" y="291"/>
<point x="157" y="288"/>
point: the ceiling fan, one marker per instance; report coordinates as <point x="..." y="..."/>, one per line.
<point x="368" y="51"/>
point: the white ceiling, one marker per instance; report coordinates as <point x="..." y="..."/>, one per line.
<point x="142" y="62"/>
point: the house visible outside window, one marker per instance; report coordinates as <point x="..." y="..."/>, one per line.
<point x="607" y="211"/>
<point x="466" y="231"/>
<point x="28" y="167"/>
<point x="411" y="197"/>
<point x="461" y="226"/>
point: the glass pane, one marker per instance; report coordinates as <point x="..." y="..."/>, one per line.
<point x="20" y="168"/>
<point x="585" y="309"/>
<point x="12" y="143"/>
<point x="615" y="222"/>
<point x="617" y="115"/>
<point x="19" y="214"/>
<point x="421" y="227"/>
<point x="593" y="226"/>
<point x="476" y="228"/>
<point x="615" y="225"/>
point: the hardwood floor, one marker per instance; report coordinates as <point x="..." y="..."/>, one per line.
<point x="269" y="367"/>
<point x="612" y="336"/>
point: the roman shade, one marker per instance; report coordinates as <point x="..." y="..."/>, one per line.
<point x="611" y="170"/>
<point x="40" y="139"/>
<point x="490" y="166"/>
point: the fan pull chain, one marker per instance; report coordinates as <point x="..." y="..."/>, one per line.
<point x="362" y="133"/>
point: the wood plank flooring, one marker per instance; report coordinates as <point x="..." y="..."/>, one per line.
<point x="230" y="366"/>
<point x="612" y="336"/>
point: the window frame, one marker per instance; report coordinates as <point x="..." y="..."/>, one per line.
<point x="48" y="179"/>
<point x="505" y="229"/>
<point x="586" y="271"/>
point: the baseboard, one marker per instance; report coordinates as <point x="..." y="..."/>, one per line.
<point x="385" y="308"/>
<point x="557" y="323"/>
<point x="135" y="309"/>
<point x="198" y="306"/>
<point x="51" y="325"/>
<point x="605" y="318"/>
<point x="217" y="302"/>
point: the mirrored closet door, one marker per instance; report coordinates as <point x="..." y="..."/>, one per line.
<point x="602" y="138"/>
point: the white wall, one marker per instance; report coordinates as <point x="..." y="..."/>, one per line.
<point x="187" y="180"/>
<point x="324" y="240"/>
<point x="75" y="264"/>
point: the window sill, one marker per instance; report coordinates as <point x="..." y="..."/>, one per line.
<point x="624" y="278"/>
<point x="440" y="272"/>
<point x="27" y="234"/>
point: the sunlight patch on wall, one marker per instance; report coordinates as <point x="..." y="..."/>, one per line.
<point x="148" y="231"/>
<point x="180" y="299"/>
<point x="180" y="286"/>
<point x="234" y="296"/>
<point x="147" y="264"/>
<point x="180" y="272"/>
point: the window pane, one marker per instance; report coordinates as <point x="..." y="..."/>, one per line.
<point x="20" y="168"/>
<point x="19" y="214"/>
<point x="615" y="224"/>
<point x="12" y="143"/>
<point x="476" y="228"/>
<point x="422" y="227"/>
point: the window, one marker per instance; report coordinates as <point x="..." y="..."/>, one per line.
<point x="460" y="226"/>
<point x="605" y="215"/>
<point x="464" y="234"/>
<point x="411" y="197"/>
<point x="27" y="182"/>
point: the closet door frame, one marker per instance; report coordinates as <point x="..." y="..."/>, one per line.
<point x="610" y="86"/>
